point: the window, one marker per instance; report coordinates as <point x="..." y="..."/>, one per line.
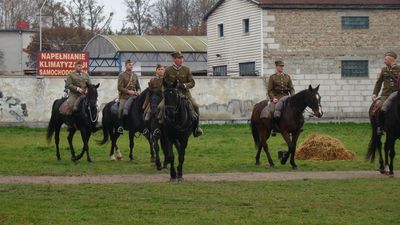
<point x="220" y="70"/>
<point x="221" y="30"/>
<point x="246" y="26"/>
<point x="355" y="22"/>
<point x="355" y="68"/>
<point x="247" y="69"/>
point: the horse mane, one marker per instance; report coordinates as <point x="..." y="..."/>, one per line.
<point x="297" y="98"/>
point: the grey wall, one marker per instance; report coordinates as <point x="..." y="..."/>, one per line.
<point x="27" y="100"/>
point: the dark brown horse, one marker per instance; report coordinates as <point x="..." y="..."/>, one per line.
<point x="289" y="126"/>
<point x="392" y="129"/>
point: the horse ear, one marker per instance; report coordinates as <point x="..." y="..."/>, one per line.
<point x="310" y="88"/>
<point x="97" y="85"/>
<point x="316" y="89"/>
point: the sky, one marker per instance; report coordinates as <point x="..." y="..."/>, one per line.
<point x="119" y="9"/>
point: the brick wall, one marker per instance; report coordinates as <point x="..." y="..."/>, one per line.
<point x="312" y="43"/>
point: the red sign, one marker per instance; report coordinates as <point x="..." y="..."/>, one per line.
<point x="60" y="63"/>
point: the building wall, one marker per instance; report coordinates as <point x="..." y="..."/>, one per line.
<point x="312" y="43"/>
<point x="30" y="102"/>
<point x="235" y="47"/>
<point x="11" y="45"/>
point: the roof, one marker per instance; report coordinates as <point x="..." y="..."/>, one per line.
<point x="319" y="4"/>
<point x="153" y="43"/>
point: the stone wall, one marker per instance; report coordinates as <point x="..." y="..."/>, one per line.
<point x="312" y="43"/>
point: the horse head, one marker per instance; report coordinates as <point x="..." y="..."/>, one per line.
<point x="171" y="95"/>
<point x="91" y="101"/>
<point x="155" y="97"/>
<point x="92" y="94"/>
<point x="313" y="100"/>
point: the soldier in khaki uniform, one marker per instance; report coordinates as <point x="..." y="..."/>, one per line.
<point x="390" y="78"/>
<point x="76" y="84"/>
<point x="155" y="84"/>
<point x="182" y="74"/>
<point x="280" y="86"/>
<point x="128" y="86"/>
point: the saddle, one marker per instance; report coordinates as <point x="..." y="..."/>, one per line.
<point x="64" y="108"/>
<point x="376" y="108"/>
<point x="115" y="107"/>
<point x="268" y="111"/>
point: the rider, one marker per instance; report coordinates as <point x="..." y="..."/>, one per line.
<point x="128" y="86"/>
<point x="390" y="77"/>
<point x="155" y="84"/>
<point x="182" y="74"/>
<point x="279" y="87"/>
<point x="76" y="84"/>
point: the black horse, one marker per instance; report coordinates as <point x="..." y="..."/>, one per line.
<point x="290" y="124"/>
<point x="154" y="128"/>
<point x="84" y="119"/>
<point x="177" y="127"/>
<point x="133" y="123"/>
<point x="392" y="129"/>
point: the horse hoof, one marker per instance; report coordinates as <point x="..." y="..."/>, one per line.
<point x="112" y="158"/>
<point x="257" y="163"/>
<point x="180" y="179"/>
<point x="272" y="165"/>
<point x="120" y="158"/>
<point x="391" y="174"/>
<point x="294" y="167"/>
<point x="383" y="172"/>
<point x="152" y="159"/>
<point x="73" y="159"/>
<point x="172" y="179"/>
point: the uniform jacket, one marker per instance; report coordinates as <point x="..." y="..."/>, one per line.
<point x="389" y="77"/>
<point x="127" y="80"/>
<point x="279" y="85"/>
<point x="76" y="79"/>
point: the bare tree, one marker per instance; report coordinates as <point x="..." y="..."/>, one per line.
<point x="12" y="11"/>
<point x="139" y="15"/>
<point x="77" y="12"/>
<point x="97" y="21"/>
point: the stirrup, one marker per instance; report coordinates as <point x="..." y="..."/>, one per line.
<point x="197" y="132"/>
<point x="120" y="130"/>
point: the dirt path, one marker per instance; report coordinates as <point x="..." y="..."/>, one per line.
<point x="211" y="177"/>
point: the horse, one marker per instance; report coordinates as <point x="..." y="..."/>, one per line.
<point x="84" y="120"/>
<point x="177" y="127"/>
<point x="134" y="123"/>
<point x="392" y="128"/>
<point x="290" y="124"/>
<point x="154" y="127"/>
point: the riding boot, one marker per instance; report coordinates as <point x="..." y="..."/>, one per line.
<point x="380" y="122"/>
<point x="197" y="131"/>
<point x="275" y="123"/>
<point x="120" y="128"/>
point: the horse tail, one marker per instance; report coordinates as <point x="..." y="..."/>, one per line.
<point x="375" y="141"/>
<point x="105" y="125"/>
<point x="51" y="127"/>
<point x="254" y="131"/>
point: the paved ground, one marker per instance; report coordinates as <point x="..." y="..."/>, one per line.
<point x="211" y="177"/>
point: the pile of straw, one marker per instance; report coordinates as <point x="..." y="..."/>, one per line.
<point x="323" y="147"/>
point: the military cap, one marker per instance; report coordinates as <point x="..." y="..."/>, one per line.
<point x="279" y="63"/>
<point x="391" y="54"/>
<point x="177" y="54"/>
<point x="78" y="63"/>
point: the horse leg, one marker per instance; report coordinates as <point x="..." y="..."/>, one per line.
<point x="381" y="161"/>
<point x="285" y="155"/>
<point x="387" y="150"/>
<point x="392" y="153"/>
<point x="150" y="139"/>
<point x="131" y="144"/>
<point x="259" y="147"/>
<point x="181" y="158"/>
<point x="157" y="151"/>
<point x="71" y="147"/>
<point x="171" y="159"/>
<point x="87" y="146"/>
<point x="113" y="137"/>
<point x="57" y="140"/>
<point x="292" y="148"/>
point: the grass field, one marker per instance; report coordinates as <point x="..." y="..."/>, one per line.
<point x="292" y="202"/>
<point x="223" y="148"/>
